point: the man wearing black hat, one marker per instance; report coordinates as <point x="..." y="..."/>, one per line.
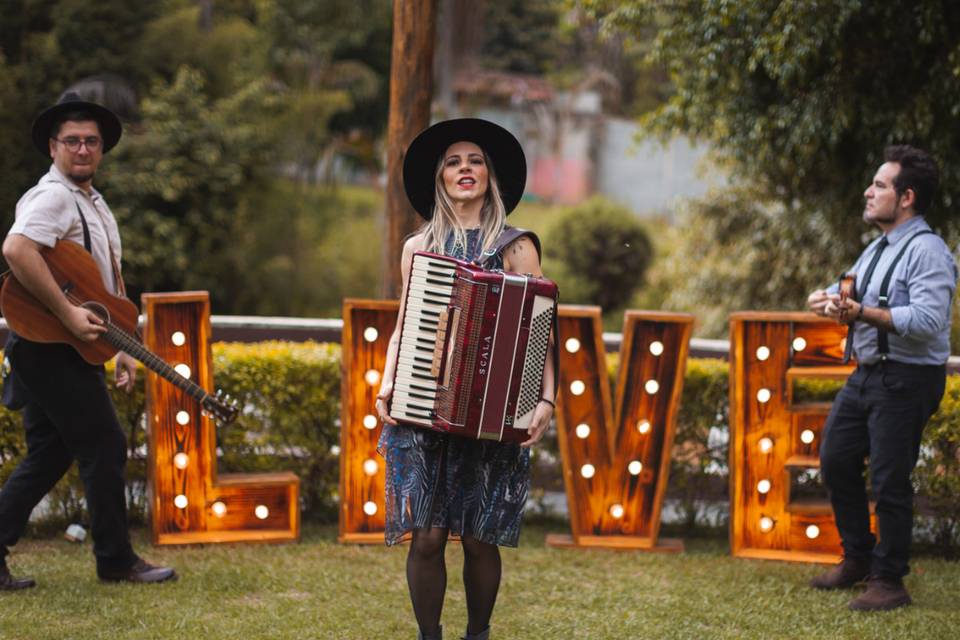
<point x="68" y="414"/>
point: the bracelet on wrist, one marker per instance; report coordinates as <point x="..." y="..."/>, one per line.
<point x="859" y="313"/>
<point x="549" y="402"/>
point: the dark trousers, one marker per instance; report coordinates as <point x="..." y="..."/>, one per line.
<point x="880" y="413"/>
<point x="69" y="416"/>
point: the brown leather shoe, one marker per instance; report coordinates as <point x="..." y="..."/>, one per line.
<point x="845" y="575"/>
<point x="9" y="583"/>
<point x="882" y="594"/>
<point x="141" y="571"/>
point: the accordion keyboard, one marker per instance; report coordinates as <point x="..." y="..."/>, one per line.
<point x="430" y="288"/>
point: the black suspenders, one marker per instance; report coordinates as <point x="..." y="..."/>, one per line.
<point x="883" y="346"/>
<point x="86" y="229"/>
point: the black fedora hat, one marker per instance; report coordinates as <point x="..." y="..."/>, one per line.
<point x="110" y="127"/>
<point x="505" y="152"/>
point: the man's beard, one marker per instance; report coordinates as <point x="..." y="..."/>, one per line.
<point x="80" y="178"/>
<point x="885" y="220"/>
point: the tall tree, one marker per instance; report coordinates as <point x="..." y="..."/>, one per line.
<point x="411" y="92"/>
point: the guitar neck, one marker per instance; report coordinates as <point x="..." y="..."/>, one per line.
<point x="128" y="344"/>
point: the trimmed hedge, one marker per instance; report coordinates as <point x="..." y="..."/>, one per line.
<point x="290" y="397"/>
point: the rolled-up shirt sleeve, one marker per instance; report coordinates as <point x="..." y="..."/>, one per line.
<point x="931" y="281"/>
<point x="44" y="216"/>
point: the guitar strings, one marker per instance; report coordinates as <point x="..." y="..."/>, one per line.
<point x="132" y="346"/>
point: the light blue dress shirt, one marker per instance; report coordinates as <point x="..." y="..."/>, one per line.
<point x="920" y="295"/>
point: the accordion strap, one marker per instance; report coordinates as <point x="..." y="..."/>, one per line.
<point x="506" y="237"/>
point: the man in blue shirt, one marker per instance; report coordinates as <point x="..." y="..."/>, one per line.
<point x="900" y="332"/>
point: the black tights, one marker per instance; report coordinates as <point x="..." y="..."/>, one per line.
<point x="427" y="579"/>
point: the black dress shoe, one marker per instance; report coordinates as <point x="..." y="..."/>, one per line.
<point x="9" y="583"/>
<point x="141" y="571"/>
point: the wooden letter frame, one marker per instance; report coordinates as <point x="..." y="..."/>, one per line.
<point x="769" y="352"/>
<point x="616" y="463"/>
<point x="260" y="507"/>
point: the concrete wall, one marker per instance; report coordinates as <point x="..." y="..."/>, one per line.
<point x="573" y="153"/>
<point x="647" y="176"/>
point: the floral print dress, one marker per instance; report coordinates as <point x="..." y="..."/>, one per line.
<point x="476" y="488"/>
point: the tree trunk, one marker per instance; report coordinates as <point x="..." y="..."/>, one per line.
<point x="411" y="90"/>
<point x="206" y="15"/>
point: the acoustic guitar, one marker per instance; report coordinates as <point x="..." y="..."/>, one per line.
<point x="78" y="276"/>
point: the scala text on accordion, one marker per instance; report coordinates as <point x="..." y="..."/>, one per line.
<point x="473" y="347"/>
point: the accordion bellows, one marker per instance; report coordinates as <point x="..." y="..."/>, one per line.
<point x="473" y="347"/>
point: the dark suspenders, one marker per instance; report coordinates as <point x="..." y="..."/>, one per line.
<point x="86" y="230"/>
<point x="114" y="265"/>
<point x="883" y="346"/>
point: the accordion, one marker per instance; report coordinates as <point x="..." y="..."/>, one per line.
<point x="473" y="347"/>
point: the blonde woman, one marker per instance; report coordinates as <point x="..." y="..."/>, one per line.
<point x="464" y="177"/>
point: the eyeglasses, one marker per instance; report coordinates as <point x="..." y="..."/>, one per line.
<point x="72" y="143"/>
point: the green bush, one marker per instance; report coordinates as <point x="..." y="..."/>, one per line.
<point x="937" y="477"/>
<point x="290" y="399"/>
<point x="698" y="472"/>
<point x="737" y="251"/>
<point x="815" y="390"/>
<point x="598" y="252"/>
<point x="290" y="394"/>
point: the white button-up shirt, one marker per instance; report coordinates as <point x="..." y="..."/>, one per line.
<point x="48" y="212"/>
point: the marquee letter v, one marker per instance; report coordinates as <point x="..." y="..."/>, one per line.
<point x="616" y="464"/>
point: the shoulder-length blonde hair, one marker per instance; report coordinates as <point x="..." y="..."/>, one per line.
<point x="493" y="215"/>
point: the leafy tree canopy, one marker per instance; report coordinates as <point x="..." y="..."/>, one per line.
<point x="231" y="95"/>
<point x="522" y="35"/>
<point x="802" y="96"/>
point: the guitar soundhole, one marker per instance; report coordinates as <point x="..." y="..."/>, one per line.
<point x="98" y="309"/>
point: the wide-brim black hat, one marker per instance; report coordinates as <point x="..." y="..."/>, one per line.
<point x="110" y="127"/>
<point x="423" y="154"/>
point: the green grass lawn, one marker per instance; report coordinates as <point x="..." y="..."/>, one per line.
<point x="320" y="589"/>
